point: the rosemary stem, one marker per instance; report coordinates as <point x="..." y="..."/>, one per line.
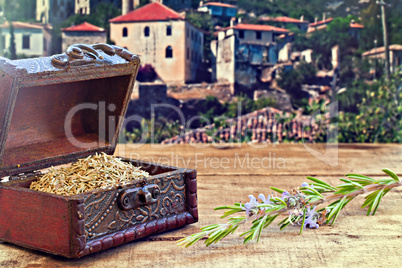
<point x="366" y="189"/>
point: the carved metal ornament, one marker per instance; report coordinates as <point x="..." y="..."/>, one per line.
<point x="104" y="213"/>
<point x="134" y="198"/>
<point x="82" y="54"/>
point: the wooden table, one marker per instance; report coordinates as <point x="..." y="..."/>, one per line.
<point x="229" y="174"/>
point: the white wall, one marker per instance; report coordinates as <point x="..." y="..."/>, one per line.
<point x="225" y="60"/>
<point x="153" y="47"/>
<point x="266" y="37"/>
<point x="35" y="37"/>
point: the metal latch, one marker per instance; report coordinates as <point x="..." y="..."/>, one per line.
<point x="26" y="175"/>
<point x="134" y="198"/>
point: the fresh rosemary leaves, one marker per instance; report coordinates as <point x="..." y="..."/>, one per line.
<point x="299" y="204"/>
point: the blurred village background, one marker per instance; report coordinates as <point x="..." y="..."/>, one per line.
<point x="238" y="71"/>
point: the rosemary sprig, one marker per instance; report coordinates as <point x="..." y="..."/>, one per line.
<point x="300" y="205"/>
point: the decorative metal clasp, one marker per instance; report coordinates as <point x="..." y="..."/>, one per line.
<point x="137" y="197"/>
<point x="82" y="54"/>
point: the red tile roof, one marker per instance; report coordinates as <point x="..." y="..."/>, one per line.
<point x="316" y="28"/>
<point x="283" y="19"/>
<point x="356" y="25"/>
<point x="253" y="27"/>
<point x="151" y="12"/>
<point x="321" y="22"/>
<point x="22" y="25"/>
<point x="382" y="50"/>
<point x="83" y="27"/>
<point x="257" y="27"/>
<point x="217" y="4"/>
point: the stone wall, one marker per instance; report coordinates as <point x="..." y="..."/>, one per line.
<point x="70" y="38"/>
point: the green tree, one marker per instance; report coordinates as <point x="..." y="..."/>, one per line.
<point x="379" y="115"/>
<point x="309" y="9"/>
<point x="292" y="82"/>
<point x="99" y="17"/>
<point x="19" y="10"/>
<point x="211" y="108"/>
<point x="12" y="50"/>
<point x="371" y="18"/>
<point x="322" y="42"/>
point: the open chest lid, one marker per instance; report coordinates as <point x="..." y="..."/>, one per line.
<point x="54" y="110"/>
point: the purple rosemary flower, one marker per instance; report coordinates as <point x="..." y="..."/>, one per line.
<point x="266" y="201"/>
<point x="311" y="219"/>
<point x="285" y="194"/>
<point x="249" y="206"/>
<point x="253" y="200"/>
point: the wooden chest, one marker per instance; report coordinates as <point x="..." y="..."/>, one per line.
<point x="54" y="110"/>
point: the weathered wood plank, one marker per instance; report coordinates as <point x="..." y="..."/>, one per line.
<point x="355" y="240"/>
<point x="258" y="159"/>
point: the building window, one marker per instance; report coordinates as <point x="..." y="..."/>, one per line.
<point x="26" y="42"/>
<point x="146" y="31"/>
<point x="241" y="34"/>
<point x="169" y="52"/>
<point x="169" y="30"/>
<point x="231" y="12"/>
<point x="258" y="35"/>
<point x="125" y="32"/>
<point x="188" y="53"/>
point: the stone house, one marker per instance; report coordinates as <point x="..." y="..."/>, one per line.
<point x="84" y="33"/>
<point x="395" y="56"/>
<point x="163" y="38"/>
<point x="259" y="34"/>
<point x="217" y="9"/>
<point x="243" y="53"/>
<point x="31" y="39"/>
<point x="54" y="11"/>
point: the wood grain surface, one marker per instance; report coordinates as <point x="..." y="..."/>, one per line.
<point x="230" y="174"/>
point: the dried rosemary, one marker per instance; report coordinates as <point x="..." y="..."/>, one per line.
<point x="94" y="172"/>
